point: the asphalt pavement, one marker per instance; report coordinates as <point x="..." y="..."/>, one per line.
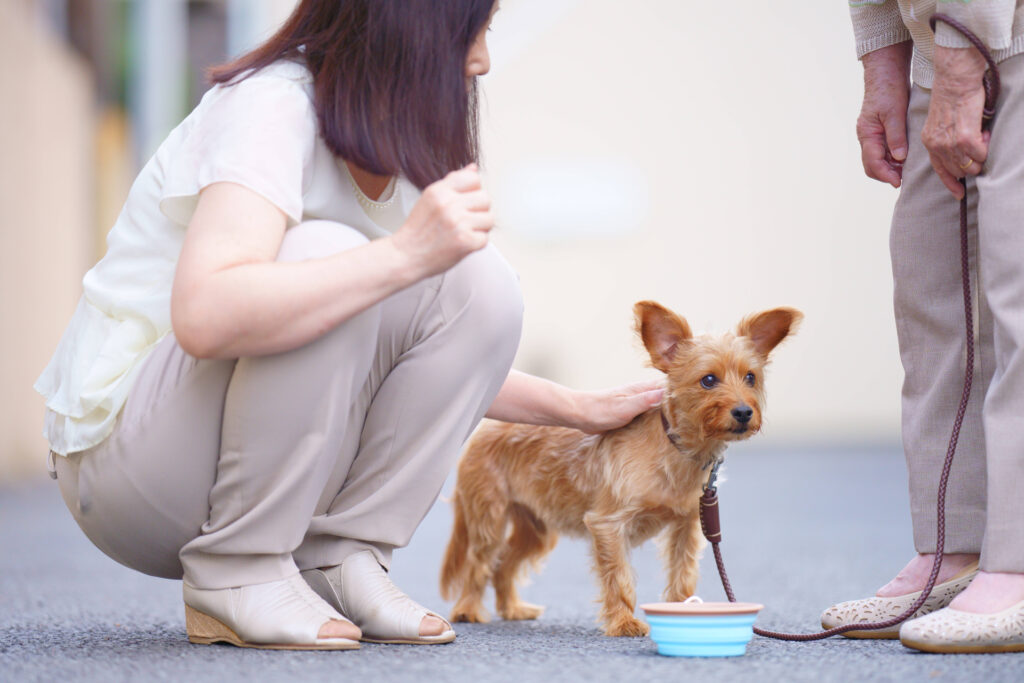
<point x="795" y="539"/>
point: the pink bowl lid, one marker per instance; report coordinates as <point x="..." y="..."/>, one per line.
<point x="701" y="608"/>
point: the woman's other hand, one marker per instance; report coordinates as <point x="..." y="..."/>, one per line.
<point x="451" y="220"/>
<point x="882" y="124"/>
<point x="952" y="132"/>
<point x="534" y="400"/>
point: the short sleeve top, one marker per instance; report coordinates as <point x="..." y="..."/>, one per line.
<point x="260" y="132"/>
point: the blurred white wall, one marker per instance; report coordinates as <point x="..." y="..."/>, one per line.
<point x="703" y="155"/>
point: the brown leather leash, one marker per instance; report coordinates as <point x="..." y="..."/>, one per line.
<point x="709" y="519"/>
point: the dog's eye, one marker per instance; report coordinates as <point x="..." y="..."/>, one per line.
<point x="750" y="379"/>
<point x="708" y="381"/>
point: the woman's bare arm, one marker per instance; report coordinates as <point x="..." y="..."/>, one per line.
<point x="533" y="400"/>
<point x="231" y="298"/>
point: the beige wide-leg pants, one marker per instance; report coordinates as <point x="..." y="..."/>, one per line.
<point x="240" y="472"/>
<point x="984" y="508"/>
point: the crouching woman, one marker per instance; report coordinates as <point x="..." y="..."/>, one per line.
<point x="297" y="323"/>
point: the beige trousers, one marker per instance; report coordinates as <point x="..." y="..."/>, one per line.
<point x="984" y="510"/>
<point x="238" y="472"/>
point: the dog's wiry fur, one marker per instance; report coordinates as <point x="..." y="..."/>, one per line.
<point x="519" y="486"/>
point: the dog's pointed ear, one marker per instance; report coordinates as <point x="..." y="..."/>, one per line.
<point x="766" y="329"/>
<point x="662" y="331"/>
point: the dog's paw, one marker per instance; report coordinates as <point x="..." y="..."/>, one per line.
<point x="473" y="614"/>
<point x="627" y="626"/>
<point x="520" y="611"/>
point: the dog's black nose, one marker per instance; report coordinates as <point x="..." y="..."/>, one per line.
<point x="742" y="414"/>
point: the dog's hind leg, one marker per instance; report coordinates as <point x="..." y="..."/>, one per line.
<point x="486" y="524"/>
<point x="681" y="546"/>
<point x="530" y="541"/>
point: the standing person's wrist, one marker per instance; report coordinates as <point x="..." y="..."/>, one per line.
<point x="958" y="69"/>
<point x="887" y="63"/>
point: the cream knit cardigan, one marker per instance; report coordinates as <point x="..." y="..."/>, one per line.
<point x="880" y="23"/>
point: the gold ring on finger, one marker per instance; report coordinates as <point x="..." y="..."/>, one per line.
<point x="964" y="167"/>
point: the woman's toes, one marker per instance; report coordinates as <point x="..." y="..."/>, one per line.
<point x="336" y="628"/>
<point x="432" y="626"/>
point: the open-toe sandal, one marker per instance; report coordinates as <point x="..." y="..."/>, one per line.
<point x="360" y="589"/>
<point x="279" y="615"/>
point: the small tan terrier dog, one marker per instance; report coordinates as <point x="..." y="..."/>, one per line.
<point x="519" y="486"/>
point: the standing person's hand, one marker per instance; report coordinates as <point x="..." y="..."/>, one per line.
<point x="451" y="220"/>
<point x="952" y="133"/>
<point x="882" y="124"/>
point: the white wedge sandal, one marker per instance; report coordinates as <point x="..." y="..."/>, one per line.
<point x="360" y="589"/>
<point x="279" y="615"/>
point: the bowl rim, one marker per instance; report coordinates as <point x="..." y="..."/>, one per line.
<point x="701" y="608"/>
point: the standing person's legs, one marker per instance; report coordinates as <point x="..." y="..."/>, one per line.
<point x="988" y="616"/>
<point x="928" y="300"/>
<point x="1001" y="232"/>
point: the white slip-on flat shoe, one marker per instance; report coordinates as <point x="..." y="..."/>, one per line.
<point x="360" y="589"/>
<point x="953" y="631"/>
<point x="880" y="609"/>
<point x="279" y="615"/>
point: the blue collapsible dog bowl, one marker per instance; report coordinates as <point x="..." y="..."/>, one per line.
<point x="701" y="629"/>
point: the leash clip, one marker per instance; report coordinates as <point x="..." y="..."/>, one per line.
<point x="713" y="477"/>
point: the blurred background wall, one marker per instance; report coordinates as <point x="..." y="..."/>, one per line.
<point x="699" y="154"/>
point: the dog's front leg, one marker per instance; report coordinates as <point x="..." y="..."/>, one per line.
<point x="681" y="545"/>
<point x="611" y="564"/>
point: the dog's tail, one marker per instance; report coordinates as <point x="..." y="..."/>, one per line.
<point x="453" y="569"/>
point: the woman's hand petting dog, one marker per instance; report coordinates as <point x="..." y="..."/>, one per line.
<point x="601" y="411"/>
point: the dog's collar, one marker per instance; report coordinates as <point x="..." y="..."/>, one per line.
<point x="676" y="440"/>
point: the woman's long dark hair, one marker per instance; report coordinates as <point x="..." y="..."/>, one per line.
<point x="389" y="79"/>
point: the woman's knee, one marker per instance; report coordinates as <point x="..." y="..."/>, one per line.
<point x="482" y="294"/>
<point x="317" y="239"/>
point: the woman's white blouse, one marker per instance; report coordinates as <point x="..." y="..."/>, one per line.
<point x="261" y="133"/>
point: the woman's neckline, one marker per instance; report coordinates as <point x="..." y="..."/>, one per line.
<point x="383" y="196"/>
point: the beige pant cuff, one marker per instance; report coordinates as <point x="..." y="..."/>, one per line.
<point x="209" y="571"/>
<point x="965" y="528"/>
<point x="330" y="552"/>
<point x="1008" y="554"/>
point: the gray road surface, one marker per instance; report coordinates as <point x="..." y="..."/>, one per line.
<point x="791" y="542"/>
